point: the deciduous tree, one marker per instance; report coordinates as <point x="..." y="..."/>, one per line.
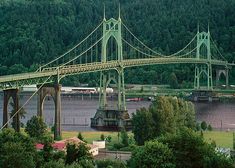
<point x="153" y="154"/>
<point x="142" y="122"/>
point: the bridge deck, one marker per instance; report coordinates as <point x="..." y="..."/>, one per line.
<point x="17" y="80"/>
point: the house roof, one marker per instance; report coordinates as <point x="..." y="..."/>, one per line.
<point x="61" y="145"/>
<point x="73" y="139"/>
<point x="39" y="146"/>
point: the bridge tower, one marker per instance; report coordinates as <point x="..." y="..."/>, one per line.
<point x="106" y="118"/>
<point x="203" y="42"/>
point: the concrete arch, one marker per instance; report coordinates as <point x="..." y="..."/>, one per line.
<point x="11" y="93"/>
<point x="219" y="72"/>
<point x="54" y="91"/>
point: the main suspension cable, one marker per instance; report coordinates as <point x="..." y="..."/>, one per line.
<point x="71" y="48"/>
<point x="217" y="49"/>
<point x="142" y="42"/>
<point x="184" y="47"/>
<point x="89" y="47"/>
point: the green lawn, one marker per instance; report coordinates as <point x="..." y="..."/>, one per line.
<point x="222" y="138"/>
<point x="89" y="136"/>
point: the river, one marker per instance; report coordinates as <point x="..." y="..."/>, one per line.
<point x="77" y="111"/>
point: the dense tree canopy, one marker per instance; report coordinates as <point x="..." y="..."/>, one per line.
<point x="153" y="154"/>
<point x="143" y="124"/>
<point x="16" y="150"/>
<point x="184" y="149"/>
<point x="191" y="151"/>
<point x="77" y="153"/>
<point x="107" y="163"/>
<point x="165" y="115"/>
<point x="34" y="32"/>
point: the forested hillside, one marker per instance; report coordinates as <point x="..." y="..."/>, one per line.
<point x="33" y="32"/>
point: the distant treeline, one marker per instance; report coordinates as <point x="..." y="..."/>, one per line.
<point x="33" y="32"/>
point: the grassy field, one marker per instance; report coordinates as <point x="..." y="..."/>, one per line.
<point x="90" y="136"/>
<point x="222" y="138"/>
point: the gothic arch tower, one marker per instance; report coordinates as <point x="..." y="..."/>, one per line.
<point x="203" y="40"/>
<point x="115" y="118"/>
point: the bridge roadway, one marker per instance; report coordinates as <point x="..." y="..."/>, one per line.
<point x="54" y="73"/>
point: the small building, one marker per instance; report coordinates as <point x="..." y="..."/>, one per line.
<point x="109" y="119"/>
<point x="61" y="145"/>
<point x="100" y="144"/>
<point x="94" y="149"/>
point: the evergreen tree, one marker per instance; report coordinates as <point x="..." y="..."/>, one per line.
<point x="36" y="128"/>
<point x="124" y="137"/>
<point x="80" y="136"/>
<point x="102" y="137"/>
<point x="204" y="125"/>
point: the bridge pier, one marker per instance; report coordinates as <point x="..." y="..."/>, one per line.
<point x="106" y="118"/>
<point x="11" y="93"/>
<point x="54" y="91"/>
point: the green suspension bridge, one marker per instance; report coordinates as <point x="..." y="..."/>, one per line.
<point x="110" y="48"/>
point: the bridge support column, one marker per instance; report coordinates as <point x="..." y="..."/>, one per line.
<point x="54" y="91"/>
<point x="227" y="78"/>
<point x="197" y="78"/>
<point x="209" y="77"/>
<point x="118" y="79"/>
<point x="11" y="93"/>
<point x="121" y="90"/>
<point x="102" y="91"/>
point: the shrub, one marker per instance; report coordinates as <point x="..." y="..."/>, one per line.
<point x="209" y="127"/>
<point x="203" y="125"/>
